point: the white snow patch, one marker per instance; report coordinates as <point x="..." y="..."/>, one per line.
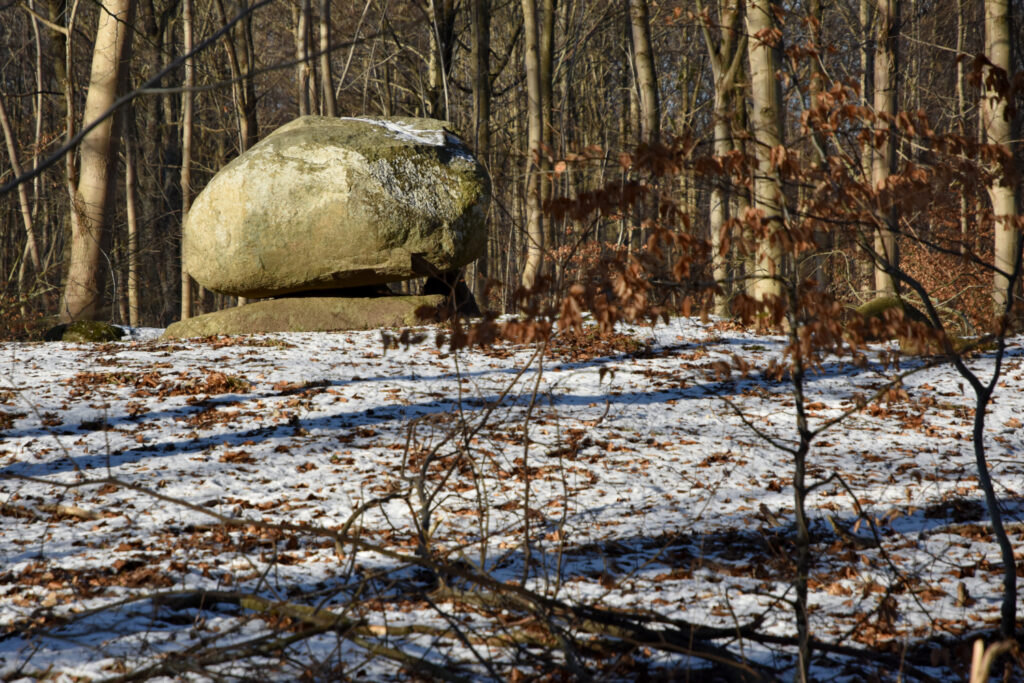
<point x="406" y="132"/>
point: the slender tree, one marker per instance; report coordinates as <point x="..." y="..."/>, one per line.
<point x="302" y="70"/>
<point x="480" y="23"/>
<point x="725" y="52"/>
<point x="23" y="198"/>
<point x="132" y="218"/>
<point x="534" y="225"/>
<point x="241" y="61"/>
<point x="442" y="43"/>
<point x="330" y="106"/>
<point x="884" y="151"/>
<point x="546" y="49"/>
<point x="187" y="102"/>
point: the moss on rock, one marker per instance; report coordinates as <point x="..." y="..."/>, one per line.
<point x="84" y="331"/>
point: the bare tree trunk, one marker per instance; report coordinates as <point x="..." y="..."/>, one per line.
<point x="133" y="235"/>
<point x="646" y="75"/>
<point x="823" y="239"/>
<point x="884" y="158"/>
<point x="865" y="20"/>
<point x="480" y="20"/>
<point x="83" y="290"/>
<point x="534" y="221"/>
<point x="37" y="147"/>
<point x="186" y="150"/>
<point x="241" y="59"/>
<point x="38" y="144"/>
<point x="330" y="106"/>
<point x="961" y="34"/>
<point x="764" y="55"/>
<point x="23" y="201"/>
<point x="63" y="43"/>
<point x="726" y="59"/>
<point x="442" y="29"/>
<point x="817" y="84"/>
<point x="249" y="123"/>
<point x="302" y="75"/>
<point x="546" y="55"/>
<point x="243" y="88"/>
<point x="998" y="123"/>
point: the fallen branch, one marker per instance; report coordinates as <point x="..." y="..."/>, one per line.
<point x="34" y="512"/>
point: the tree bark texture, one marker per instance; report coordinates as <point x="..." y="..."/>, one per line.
<point x="302" y="71"/>
<point x="998" y="124"/>
<point x="883" y="162"/>
<point x="764" y="54"/>
<point x="726" y="57"/>
<point x="23" y="199"/>
<point x="534" y="135"/>
<point x="646" y="75"/>
<point x="131" y="215"/>
<point x="330" y="106"/>
<point x="187" y="101"/>
<point x="83" y="290"/>
<point x="547" y="60"/>
<point x="442" y="18"/>
<point x="480" y="22"/>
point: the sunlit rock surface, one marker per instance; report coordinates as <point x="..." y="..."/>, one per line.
<point x="327" y="203"/>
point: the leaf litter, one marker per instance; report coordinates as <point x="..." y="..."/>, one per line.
<point x="646" y="492"/>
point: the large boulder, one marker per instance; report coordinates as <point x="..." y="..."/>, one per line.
<point x="310" y="314"/>
<point x="327" y="203"/>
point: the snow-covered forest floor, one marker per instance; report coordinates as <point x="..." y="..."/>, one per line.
<point x="631" y="476"/>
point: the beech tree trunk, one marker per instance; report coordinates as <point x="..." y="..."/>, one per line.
<point x="330" y="106"/>
<point x="824" y="239"/>
<point x="764" y="54"/>
<point x="998" y="124"/>
<point x="23" y="200"/>
<point x="442" y="43"/>
<point x="241" y="59"/>
<point x="302" y="71"/>
<point x="646" y="75"/>
<point x="131" y="211"/>
<point x="884" y="155"/>
<point x="186" y="150"/>
<point x="726" y="57"/>
<point x="480" y="22"/>
<point x="534" y="135"/>
<point x="817" y="82"/>
<point x="546" y="50"/>
<point x="83" y="289"/>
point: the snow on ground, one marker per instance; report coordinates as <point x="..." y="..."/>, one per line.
<point x="645" y="490"/>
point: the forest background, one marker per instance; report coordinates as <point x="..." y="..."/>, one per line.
<point x="598" y="121"/>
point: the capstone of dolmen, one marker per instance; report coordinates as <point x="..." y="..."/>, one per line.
<point x="329" y="203"/>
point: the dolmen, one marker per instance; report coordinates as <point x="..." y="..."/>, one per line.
<point x="320" y="216"/>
